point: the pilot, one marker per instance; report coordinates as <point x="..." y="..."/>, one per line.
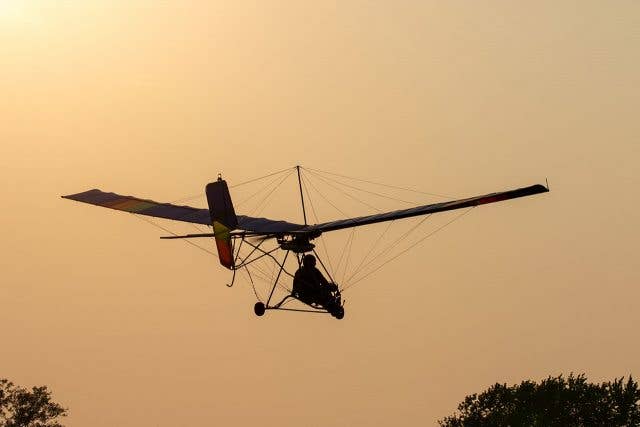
<point x="310" y="285"/>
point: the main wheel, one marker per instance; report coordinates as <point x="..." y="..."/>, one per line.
<point x="259" y="308"/>
<point x="338" y="313"/>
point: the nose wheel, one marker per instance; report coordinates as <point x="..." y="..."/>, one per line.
<point x="259" y="308"/>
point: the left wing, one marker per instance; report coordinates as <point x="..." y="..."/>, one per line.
<point x="136" y="205"/>
<point x="143" y="206"/>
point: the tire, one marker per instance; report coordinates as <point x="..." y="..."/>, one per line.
<point x="259" y="308"/>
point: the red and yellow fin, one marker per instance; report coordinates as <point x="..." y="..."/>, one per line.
<point x="223" y="219"/>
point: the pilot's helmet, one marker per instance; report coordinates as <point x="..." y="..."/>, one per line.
<point x="309" y="260"/>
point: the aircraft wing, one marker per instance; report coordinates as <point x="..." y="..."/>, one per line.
<point x="257" y="226"/>
<point x="428" y="209"/>
<point x="143" y="206"/>
<point x="265" y="226"/>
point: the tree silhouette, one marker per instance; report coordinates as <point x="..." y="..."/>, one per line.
<point x="555" y="401"/>
<point x="20" y="407"/>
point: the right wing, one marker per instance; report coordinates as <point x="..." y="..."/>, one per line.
<point x="428" y="209"/>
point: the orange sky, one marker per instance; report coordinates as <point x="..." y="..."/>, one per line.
<point x="154" y="99"/>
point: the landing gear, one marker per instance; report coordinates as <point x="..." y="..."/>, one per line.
<point x="335" y="309"/>
<point x="321" y="298"/>
<point x="259" y="308"/>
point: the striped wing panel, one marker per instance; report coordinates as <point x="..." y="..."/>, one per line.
<point x="142" y="206"/>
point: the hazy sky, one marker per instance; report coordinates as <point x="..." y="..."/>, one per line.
<point x="155" y="98"/>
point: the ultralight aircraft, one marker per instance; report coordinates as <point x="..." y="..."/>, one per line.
<point x="231" y="232"/>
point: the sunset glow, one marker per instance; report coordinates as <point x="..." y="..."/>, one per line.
<point x="154" y="99"/>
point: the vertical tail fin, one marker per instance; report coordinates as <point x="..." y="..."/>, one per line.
<point x="223" y="219"/>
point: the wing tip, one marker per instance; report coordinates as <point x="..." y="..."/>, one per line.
<point x="543" y="188"/>
<point x="538" y="188"/>
<point x="73" y="196"/>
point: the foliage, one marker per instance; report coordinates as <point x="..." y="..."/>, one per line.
<point x="555" y="401"/>
<point x="20" y="407"/>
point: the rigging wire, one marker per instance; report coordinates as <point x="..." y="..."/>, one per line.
<point x="391" y="246"/>
<point x="198" y="227"/>
<point x="262" y="177"/>
<point x="257" y="192"/>
<point x="327" y="200"/>
<point x="262" y="204"/>
<point x="188" y="198"/>
<point x="199" y="195"/>
<point x="370" y="251"/>
<point x="349" y="251"/>
<point x="367" y="191"/>
<point x="315" y="215"/>
<point x="382" y="185"/>
<point x="412" y="246"/>
<point x="364" y="264"/>
<point x="174" y="234"/>
<point x="344" y="250"/>
<point x="345" y="193"/>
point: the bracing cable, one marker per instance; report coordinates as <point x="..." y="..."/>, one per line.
<point x="411" y="247"/>
<point x="351" y="196"/>
<point x="349" y="251"/>
<point x="261" y="205"/>
<point x="353" y="187"/>
<point x="327" y="200"/>
<point x="364" y="264"/>
<point x="199" y="195"/>
<point x="382" y="185"/>
<point x="344" y="250"/>
<point x="370" y="251"/>
<point x="391" y="246"/>
<point x="315" y="216"/>
<point x="174" y="234"/>
<point x="263" y="188"/>
<point x="262" y="177"/>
